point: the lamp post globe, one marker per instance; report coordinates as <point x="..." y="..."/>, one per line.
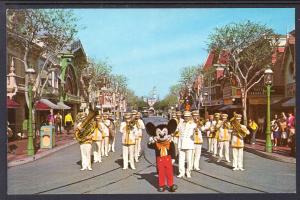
<point x="268" y="80"/>
<point x="31" y="77"/>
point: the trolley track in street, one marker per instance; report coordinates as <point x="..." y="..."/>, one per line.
<point x="214" y="177"/>
<point x="150" y="164"/>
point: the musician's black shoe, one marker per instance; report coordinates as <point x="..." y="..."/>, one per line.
<point x="173" y="188"/>
<point x="162" y="189"/>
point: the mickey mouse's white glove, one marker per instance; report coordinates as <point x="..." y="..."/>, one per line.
<point x="151" y="140"/>
<point x="173" y="161"/>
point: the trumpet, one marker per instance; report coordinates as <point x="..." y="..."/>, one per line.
<point x="241" y="131"/>
<point x="131" y="124"/>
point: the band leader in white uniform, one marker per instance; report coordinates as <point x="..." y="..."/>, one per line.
<point x="186" y="144"/>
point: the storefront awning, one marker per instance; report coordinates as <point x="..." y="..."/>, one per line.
<point x="63" y="106"/>
<point x="10" y="103"/>
<point x="230" y="107"/>
<point x="279" y="104"/>
<point x="289" y="103"/>
<point x="45" y="104"/>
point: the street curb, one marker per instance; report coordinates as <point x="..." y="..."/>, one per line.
<point x="38" y="156"/>
<point x="270" y="156"/>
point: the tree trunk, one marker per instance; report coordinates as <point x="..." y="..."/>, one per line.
<point x="244" y="106"/>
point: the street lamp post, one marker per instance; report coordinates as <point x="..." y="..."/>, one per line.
<point x="268" y="79"/>
<point x="30" y="148"/>
<point x="205" y="107"/>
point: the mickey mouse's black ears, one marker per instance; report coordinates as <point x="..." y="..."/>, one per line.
<point x="151" y="129"/>
<point x="172" y="125"/>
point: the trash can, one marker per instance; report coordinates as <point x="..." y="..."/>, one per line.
<point x="47" y="134"/>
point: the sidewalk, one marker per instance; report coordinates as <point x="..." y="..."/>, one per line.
<point x="17" y="150"/>
<point x="279" y="153"/>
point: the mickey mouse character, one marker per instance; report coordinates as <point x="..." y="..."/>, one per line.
<point x="160" y="141"/>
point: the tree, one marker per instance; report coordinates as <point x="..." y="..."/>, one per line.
<point x="52" y="29"/>
<point x="188" y="75"/>
<point x="250" y="47"/>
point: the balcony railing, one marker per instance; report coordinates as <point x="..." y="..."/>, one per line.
<point x="290" y="89"/>
<point x="231" y="91"/>
<point x="258" y="91"/>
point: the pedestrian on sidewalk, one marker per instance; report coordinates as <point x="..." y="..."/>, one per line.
<point x="58" y="122"/>
<point x="68" y="122"/>
<point x="261" y="125"/>
<point x="275" y="130"/>
<point x="283" y="129"/>
<point x="253" y="127"/>
<point x="50" y="118"/>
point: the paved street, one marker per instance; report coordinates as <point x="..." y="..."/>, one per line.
<point x="59" y="174"/>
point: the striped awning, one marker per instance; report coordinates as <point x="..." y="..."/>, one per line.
<point x="230" y="107"/>
<point x="10" y="103"/>
<point x="45" y="104"/>
<point x="63" y="106"/>
<point x="289" y="103"/>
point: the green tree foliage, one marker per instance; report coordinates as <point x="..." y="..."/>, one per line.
<point x="250" y="46"/>
<point x="188" y="75"/>
<point x="134" y="102"/>
<point x="50" y="29"/>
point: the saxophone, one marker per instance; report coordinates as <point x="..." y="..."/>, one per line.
<point x="87" y="128"/>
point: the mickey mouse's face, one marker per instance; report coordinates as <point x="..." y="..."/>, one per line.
<point x="162" y="133"/>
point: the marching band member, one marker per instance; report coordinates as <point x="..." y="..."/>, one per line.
<point x="128" y="131"/>
<point x="85" y="146"/>
<point x="112" y="134"/>
<point x="209" y="133"/>
<point x="186" y="144"/>
<point x="217" y="123"/>
<point x="237" y="142"/>
<point x="198" y="140"/>
<point x="140" y="127"/>
<point x="97" y="139"/>
<point x="179" y="121"/>
<point x="224" y="138"/>
<point x="105" y="135"/>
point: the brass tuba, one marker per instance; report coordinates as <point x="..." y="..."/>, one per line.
<point x="87" y="128"/>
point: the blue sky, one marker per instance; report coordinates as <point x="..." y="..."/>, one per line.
<point x="151" y="46"/>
